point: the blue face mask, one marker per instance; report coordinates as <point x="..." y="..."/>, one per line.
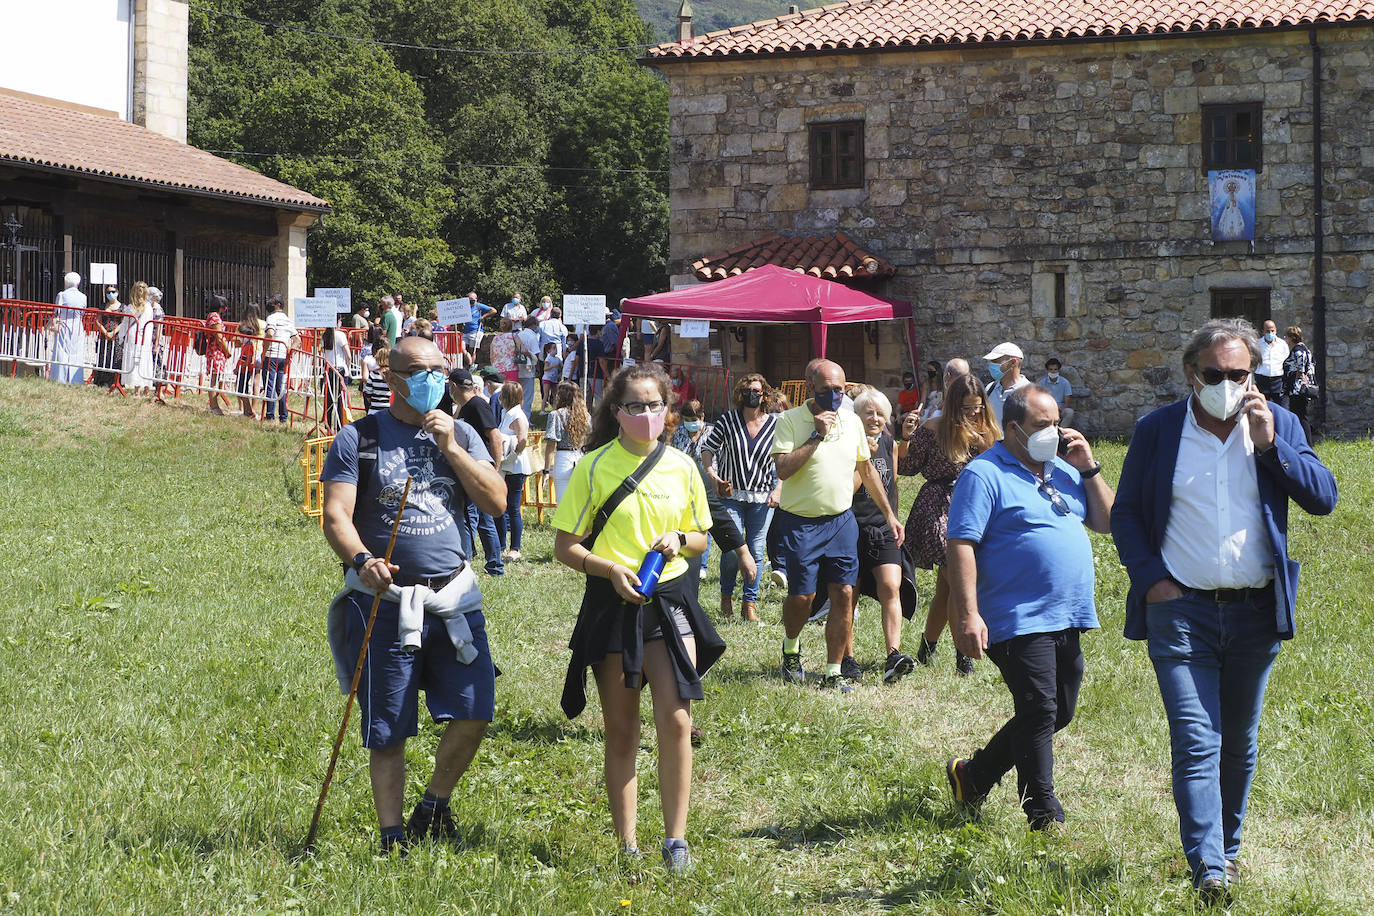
<point x="830" y="399"/>
<point x="691" y="425"/>
<point x="995" y="370"/>
<point x="1269" y="337"/>
<point x="426" y="389"/>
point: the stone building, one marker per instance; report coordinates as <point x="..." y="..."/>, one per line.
<point x="1045" y="180"/>
<point x="94" y="166"/>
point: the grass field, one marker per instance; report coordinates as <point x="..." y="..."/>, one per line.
<point x="169" y="706"/>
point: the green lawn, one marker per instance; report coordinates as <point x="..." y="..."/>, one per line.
<point x="170" y="705"/>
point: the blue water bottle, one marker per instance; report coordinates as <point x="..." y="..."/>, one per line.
<point x="649" y="572"/>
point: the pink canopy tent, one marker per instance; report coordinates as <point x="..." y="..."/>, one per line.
<point x="775" y="295"/>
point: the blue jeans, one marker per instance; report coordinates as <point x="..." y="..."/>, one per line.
<point x="480" y="525"/>
<point x="530" y="384"/>
<point x="274" y="385"/>
<point x="753" y="519"/>
<point x="511" y="520"/>
<point x="1212" y="661"/>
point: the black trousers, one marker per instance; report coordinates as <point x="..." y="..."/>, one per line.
<point x="1043" y="672"/>
<point x="1271" y="386"/>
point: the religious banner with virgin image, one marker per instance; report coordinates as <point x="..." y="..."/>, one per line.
<point x="1233" y="204"/>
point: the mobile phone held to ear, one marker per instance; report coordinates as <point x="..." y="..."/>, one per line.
<point x="1063" y="444"/>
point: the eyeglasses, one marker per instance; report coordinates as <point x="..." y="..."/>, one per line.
<point x="1061" y="506"/>
<point x="1212" y="376"/>
<point x="972" y="406"/>
<point x="635" y="408"/>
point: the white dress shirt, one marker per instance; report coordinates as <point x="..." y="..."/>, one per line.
<point x="1272" y="356"/>
<point x="1216" y="536"/>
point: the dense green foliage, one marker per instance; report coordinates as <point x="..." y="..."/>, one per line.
<point x="170" y="707"/>
<point x="541" y="172"/>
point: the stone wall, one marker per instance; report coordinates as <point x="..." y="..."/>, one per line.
<point x="987" y="171"/>
<point x="160" y="64"/>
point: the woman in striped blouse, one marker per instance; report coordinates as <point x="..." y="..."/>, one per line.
<point x="738" y="462"/>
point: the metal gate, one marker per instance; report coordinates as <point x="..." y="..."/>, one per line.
<point x="240" y="273"/>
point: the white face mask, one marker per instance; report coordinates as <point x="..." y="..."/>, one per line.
<point x="1223" y="399"/>
<point x="1042" y="444"/>
<point x="1054" y="376"/>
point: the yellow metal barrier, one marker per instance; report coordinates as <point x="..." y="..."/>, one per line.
<point x="795" y="390"/>
<point x="538" y="493"/>
<point x="312" y="462"/>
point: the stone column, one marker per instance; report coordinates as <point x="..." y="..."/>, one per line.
<point x="159" y="102"/>
<point x="288" y="257"/>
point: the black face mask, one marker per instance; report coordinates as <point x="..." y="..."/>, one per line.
<point x="932" y="375"/>
<point x="752" y="398"/>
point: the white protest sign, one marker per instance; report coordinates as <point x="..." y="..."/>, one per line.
<point x="342" y="296"/>
<point x="590" y="310"/>
<point x="314" y="312"/>
<point x="694" y="328"/>
<point x="715" y="357"/>
<point x="454" y="311"/>
<point x="104" y="273"/>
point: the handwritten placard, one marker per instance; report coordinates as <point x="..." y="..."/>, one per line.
<point x="589" y="310"/>
<point x="694" y="328"/>
<point x="342" y="296"/>
<point x="314" y="312"/>
<point x="104" y="273"/>
<point x="454" y="311"/>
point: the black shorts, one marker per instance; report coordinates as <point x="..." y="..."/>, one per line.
<point x="877" y="547"/>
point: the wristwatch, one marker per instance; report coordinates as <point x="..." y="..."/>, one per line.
<point x="681" y="539"/>
<point x="815" y="434"/>
<point x="360" y="560"/>
<point x="1091" y="472"/>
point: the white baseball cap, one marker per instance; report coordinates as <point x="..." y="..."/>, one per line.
<point x="1006" y="348"/>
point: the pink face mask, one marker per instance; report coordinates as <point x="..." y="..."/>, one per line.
<point x="645" y="427"/>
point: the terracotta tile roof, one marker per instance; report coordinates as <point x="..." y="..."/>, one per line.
<point x="830" y="257"/>
<point x="82" y="141"/>
<point x="872" y="24"/>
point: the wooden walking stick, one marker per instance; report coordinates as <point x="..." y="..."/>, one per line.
<point x="357" y="676"/>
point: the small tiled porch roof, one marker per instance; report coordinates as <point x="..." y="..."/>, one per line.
<point x="56" y="137"/>
<point x="830" y="257"/>
<point x="892" y="24"/>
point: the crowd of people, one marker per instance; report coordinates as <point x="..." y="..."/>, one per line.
<point x="805" y="494"/>
<point x="807" y="491"/>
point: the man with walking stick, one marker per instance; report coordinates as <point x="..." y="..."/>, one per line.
<point x="429" y="631"/>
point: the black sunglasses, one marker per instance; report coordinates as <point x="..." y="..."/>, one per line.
<point x="1061" y="506"/>
<point x="1211" y="376"/>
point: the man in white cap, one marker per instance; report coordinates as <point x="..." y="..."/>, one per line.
<point x="1004" y="364"/>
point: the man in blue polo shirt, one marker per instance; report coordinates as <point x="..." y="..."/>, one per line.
<point x="1021" y="589"/>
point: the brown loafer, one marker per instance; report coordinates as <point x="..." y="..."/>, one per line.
<point x="748" y="612"/>
<point x="727" y="606"/>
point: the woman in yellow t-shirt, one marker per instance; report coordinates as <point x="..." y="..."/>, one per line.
<point x="627" y="640"/>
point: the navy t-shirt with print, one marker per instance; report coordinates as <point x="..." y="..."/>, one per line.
<point x="429" y="542"/>
<point x="866" y="511"/>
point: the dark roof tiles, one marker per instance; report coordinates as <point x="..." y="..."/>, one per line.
<point x="830" y="257"/>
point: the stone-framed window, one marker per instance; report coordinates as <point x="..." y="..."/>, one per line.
<point x="1233" y="136"/>
<point x="1250" y="303"/>
<point x="837" y="154"/>
<point x="1056" y="289"/>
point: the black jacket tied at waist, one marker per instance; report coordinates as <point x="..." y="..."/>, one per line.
<point x="607" y="623"/>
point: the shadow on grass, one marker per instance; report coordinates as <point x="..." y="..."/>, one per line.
<point x="926" y="806"/>
<point x="541" y="731"/>
<point x="952" y="877"/>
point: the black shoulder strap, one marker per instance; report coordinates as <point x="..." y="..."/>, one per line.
<point x="627" y="486"/>
<point x="369" y="431"/>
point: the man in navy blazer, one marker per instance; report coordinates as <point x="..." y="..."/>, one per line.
<point x="1201" y="524"/>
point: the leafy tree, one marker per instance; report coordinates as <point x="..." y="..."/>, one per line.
<point x="522" y="167"/>
<point x="337" y="119"/>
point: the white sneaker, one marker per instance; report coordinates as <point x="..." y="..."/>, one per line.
<point x="778" y="578"/>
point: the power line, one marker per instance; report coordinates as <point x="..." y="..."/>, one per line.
<point x="402" y="46"/>
<point x="462" y="165"/>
